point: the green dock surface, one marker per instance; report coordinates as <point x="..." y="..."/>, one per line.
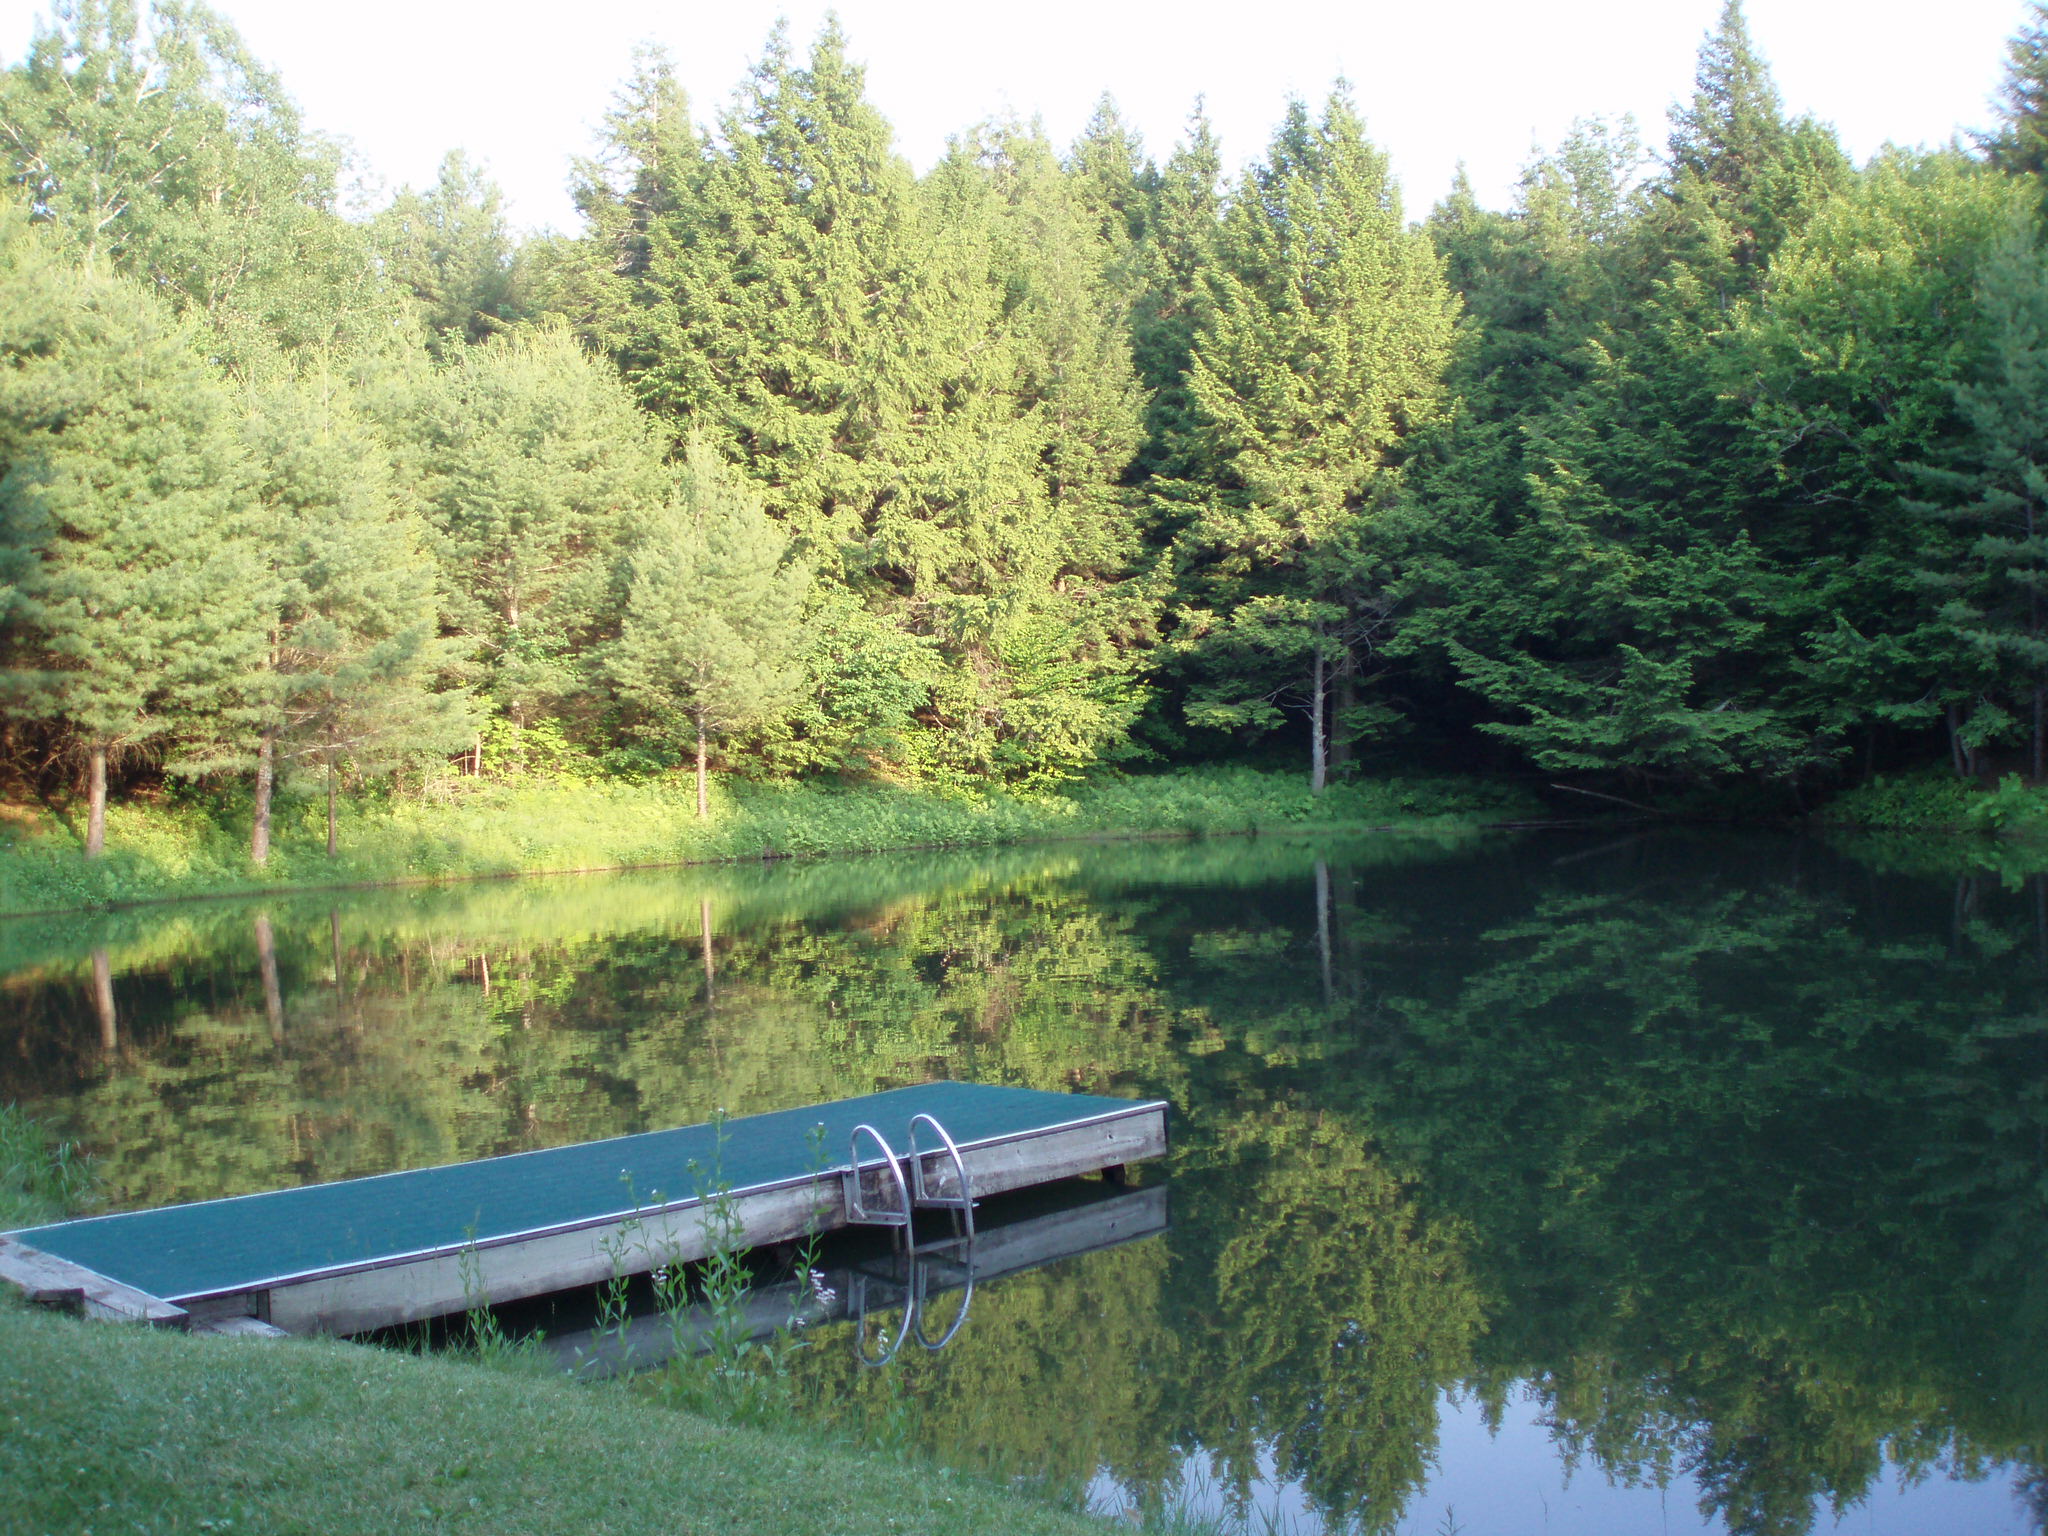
<point x="180" y="1252"/>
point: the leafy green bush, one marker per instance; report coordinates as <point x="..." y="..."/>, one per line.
<point x="1929" y="801"/>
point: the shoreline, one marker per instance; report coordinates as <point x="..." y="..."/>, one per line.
<point x="180" y="855"/>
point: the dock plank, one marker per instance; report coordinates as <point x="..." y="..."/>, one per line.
<point x="53" y="1281"/>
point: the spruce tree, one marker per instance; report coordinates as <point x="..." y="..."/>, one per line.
<point x="712" y="633"/>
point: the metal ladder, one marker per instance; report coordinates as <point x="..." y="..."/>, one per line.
<point x="912" y="1194"/>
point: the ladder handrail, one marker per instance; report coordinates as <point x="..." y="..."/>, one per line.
<point x="921" y="1279"/>
<point x="964" y="1203"/>
<point x="857" y="1297"/>
<point x="856" y="1208"/>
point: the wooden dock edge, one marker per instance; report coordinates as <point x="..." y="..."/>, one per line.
<point x="53" y="1282"/>
<point x="414" y="1287"/>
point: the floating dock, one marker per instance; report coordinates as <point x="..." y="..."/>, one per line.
<point x="397" y="1248"/>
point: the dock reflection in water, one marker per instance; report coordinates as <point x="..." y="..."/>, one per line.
<point x="882" y="1295"/>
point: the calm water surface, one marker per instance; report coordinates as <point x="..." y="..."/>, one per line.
<point x="1579" y="1184"/>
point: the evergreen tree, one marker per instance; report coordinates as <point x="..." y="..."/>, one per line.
<point x="1113" y="181"/>
<point x="649" y="167"/>
<point x="2020" y="145"/>
<point x="354" y="649"/>
<point x="1623" y="616"/>
<point x="712" y="630"/>
<point x="925" y="385"/>
<point x="1994" y="487"/>
<point x="1179" y="248"/>
<point x="1323" y="344"/>
<point x="134" y="600"/>
<point x="450" y="247"/>
<point x="535" y="469"/>
<point x="1870" y="322"/>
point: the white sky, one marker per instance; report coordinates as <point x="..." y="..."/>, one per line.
<point x="521" y="85"/>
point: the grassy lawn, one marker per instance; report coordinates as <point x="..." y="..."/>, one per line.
<point x="156" y="852"/>
<point x="107" y="1428"/>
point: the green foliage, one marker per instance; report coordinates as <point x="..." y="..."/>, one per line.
<point x="40" y="1180"/>
<point x="2021" y="143"/>
<point x="554" y="813"/>
<point x="450" y="246"/>
<point x="1907" y="802"/>
<point x="148" y="138"/>
<point x="709" y="641"/>
<point x="1993" y="486"/>
<point x="1707" y="476"/>
<point x="535" y="473"/>
<point x="135" y="597"/>
<point x="1323" y="340"/>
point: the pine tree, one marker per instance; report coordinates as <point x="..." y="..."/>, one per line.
<point x="535" y="468"/>
<point x="924" y="382"/>
<point x="712" y="631"/>
<point x="134" y="601"/>
<point x="1324" y="342"/>
<point x="354" y="652"/>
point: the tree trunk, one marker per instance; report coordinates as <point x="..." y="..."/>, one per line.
<point x="266" y="963"/>
<point x="266" y="781"/>
<point x="2040" y="745"/>
<point x="103" y="1001"/>
<point x="331" y="844"/>
<point x="334" y="949"/>
<point x="1318" y="771"/>
<point x="1323" y="926"/>
<point x="703" y="799"/>
<point x="96" y="802"/>
<point x="710" y="971"/>
<point x="1347" y="700"/>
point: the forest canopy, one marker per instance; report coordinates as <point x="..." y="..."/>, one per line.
<point x="1703" y="465"/>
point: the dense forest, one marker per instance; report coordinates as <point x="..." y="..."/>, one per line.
<point x="1716" y="467"/>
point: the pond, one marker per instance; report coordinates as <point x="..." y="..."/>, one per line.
<point x="1574" y="1182"/>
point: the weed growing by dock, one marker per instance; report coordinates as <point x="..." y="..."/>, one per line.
<point x="40" y="1179"/>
